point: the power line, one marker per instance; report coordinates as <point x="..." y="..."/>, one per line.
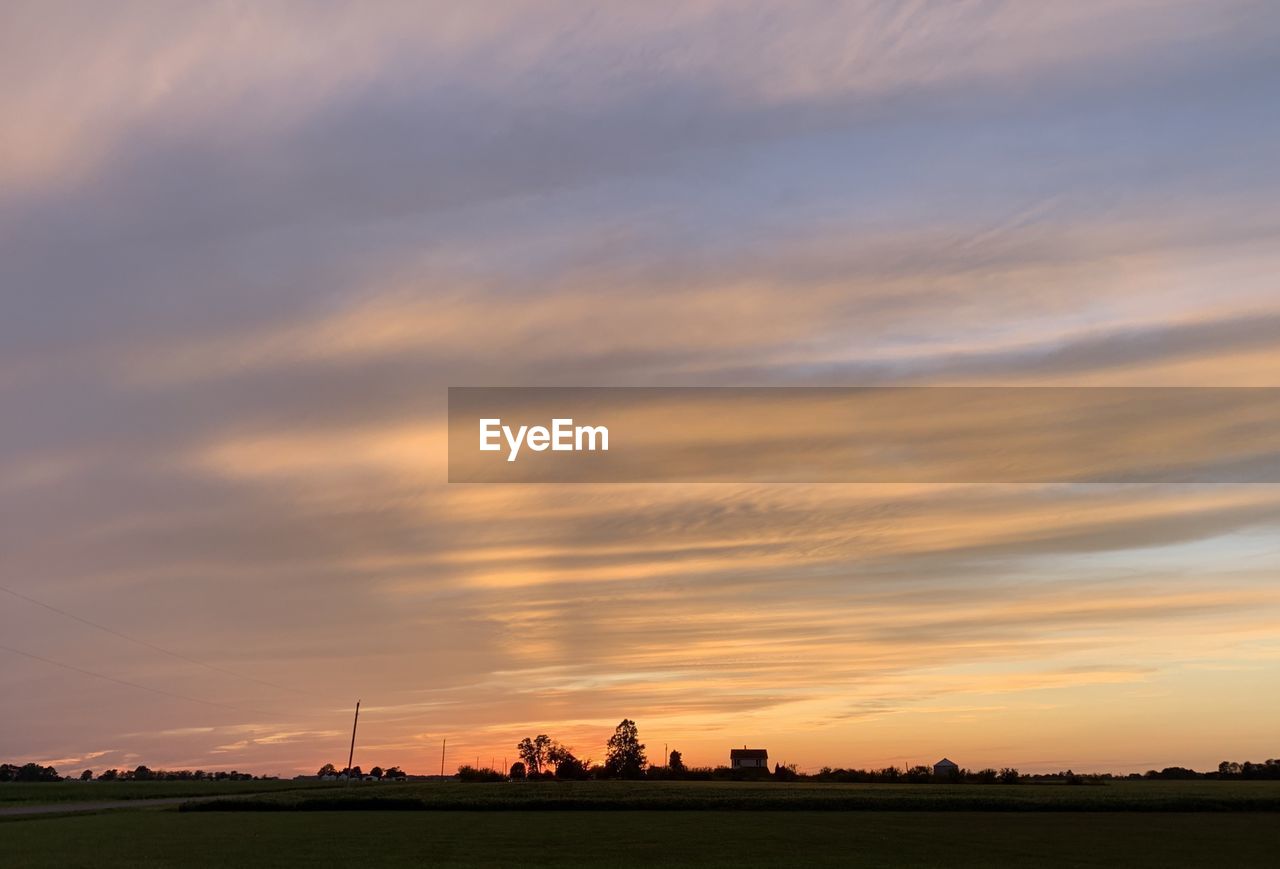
<point x="129" y="684"/>
<point x="152" y="646"/>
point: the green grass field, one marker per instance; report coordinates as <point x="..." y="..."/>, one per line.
<point x="658" y="823"/>
<point x="612" y="838"/>
<point x="23" y="793"/>
<point x="1145" y="796"/>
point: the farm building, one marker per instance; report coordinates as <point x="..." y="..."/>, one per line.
<point x="748" y="758"/>
<point x="945" y="767"/>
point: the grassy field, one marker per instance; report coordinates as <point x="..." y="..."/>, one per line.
<point x="653" y="823"/>
<point x="1141" y="796"/>
<point x="39" y="793"/>
<point x="150" y="838"/>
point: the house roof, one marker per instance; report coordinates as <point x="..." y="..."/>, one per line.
<point x="744" y="753"/>
<point x="945" y="762"/>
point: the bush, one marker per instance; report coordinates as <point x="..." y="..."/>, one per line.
<point x="471" y="774"/>
<point x="785" y="773"/>
<point x="572" y="769"/>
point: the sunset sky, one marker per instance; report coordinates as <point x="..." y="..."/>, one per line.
<point x="246" y="248"/>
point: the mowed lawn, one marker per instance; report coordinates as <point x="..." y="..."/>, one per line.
<point x="616" y="838"/>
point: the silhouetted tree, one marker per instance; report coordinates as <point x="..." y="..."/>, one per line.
<point x="376" y="772"/>
<point x="87" y="775"/>
<point x="469" y="773"/>
<point x="1175" y="773"/>
<point x="534" y="752"/>
<point x="517" y="771"/>
<point x="29" y="772"/>
<point x="571" y="768"/>
<point x="675" y="762"/>
<point x="625" y="756"/>
<point x="327" y="769"/>
<point x="785" y="773"/>
<point x="919" y="774"/>
<point x="567" y="766"/>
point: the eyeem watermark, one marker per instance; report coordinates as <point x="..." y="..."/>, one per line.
<point x="864" y="435"/>
<point x="563" y="436"/>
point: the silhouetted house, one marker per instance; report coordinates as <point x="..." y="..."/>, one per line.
<point x="945" y="767"/>
<point x="748" y="758"/>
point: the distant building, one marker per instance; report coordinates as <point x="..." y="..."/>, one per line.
<point x="748" y="758"/>
<point x="945" y="767"/>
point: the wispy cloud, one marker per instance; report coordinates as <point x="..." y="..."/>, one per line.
<point x="244" y="251"/>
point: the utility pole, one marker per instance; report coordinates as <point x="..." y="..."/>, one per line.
<point x="352" y="754"/>
<point x="442" y="745"/>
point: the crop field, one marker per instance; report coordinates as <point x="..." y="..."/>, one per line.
<point x="1143" y="796"/>
<point x="40" y="793"/>
<point x="150" y="838"/>
<point x="661" y="823"/>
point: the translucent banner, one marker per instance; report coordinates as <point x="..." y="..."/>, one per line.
<point x="864" y="435"/>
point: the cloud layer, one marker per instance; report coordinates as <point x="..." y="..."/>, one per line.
<point x="244" y="251"/>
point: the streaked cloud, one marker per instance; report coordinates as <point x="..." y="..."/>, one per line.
<point x="244" y="250"/>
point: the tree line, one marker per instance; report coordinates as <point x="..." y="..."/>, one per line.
<point x="331" y="771"/>
<point x="34" y="772"/>
<point x="543" y="758"/>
